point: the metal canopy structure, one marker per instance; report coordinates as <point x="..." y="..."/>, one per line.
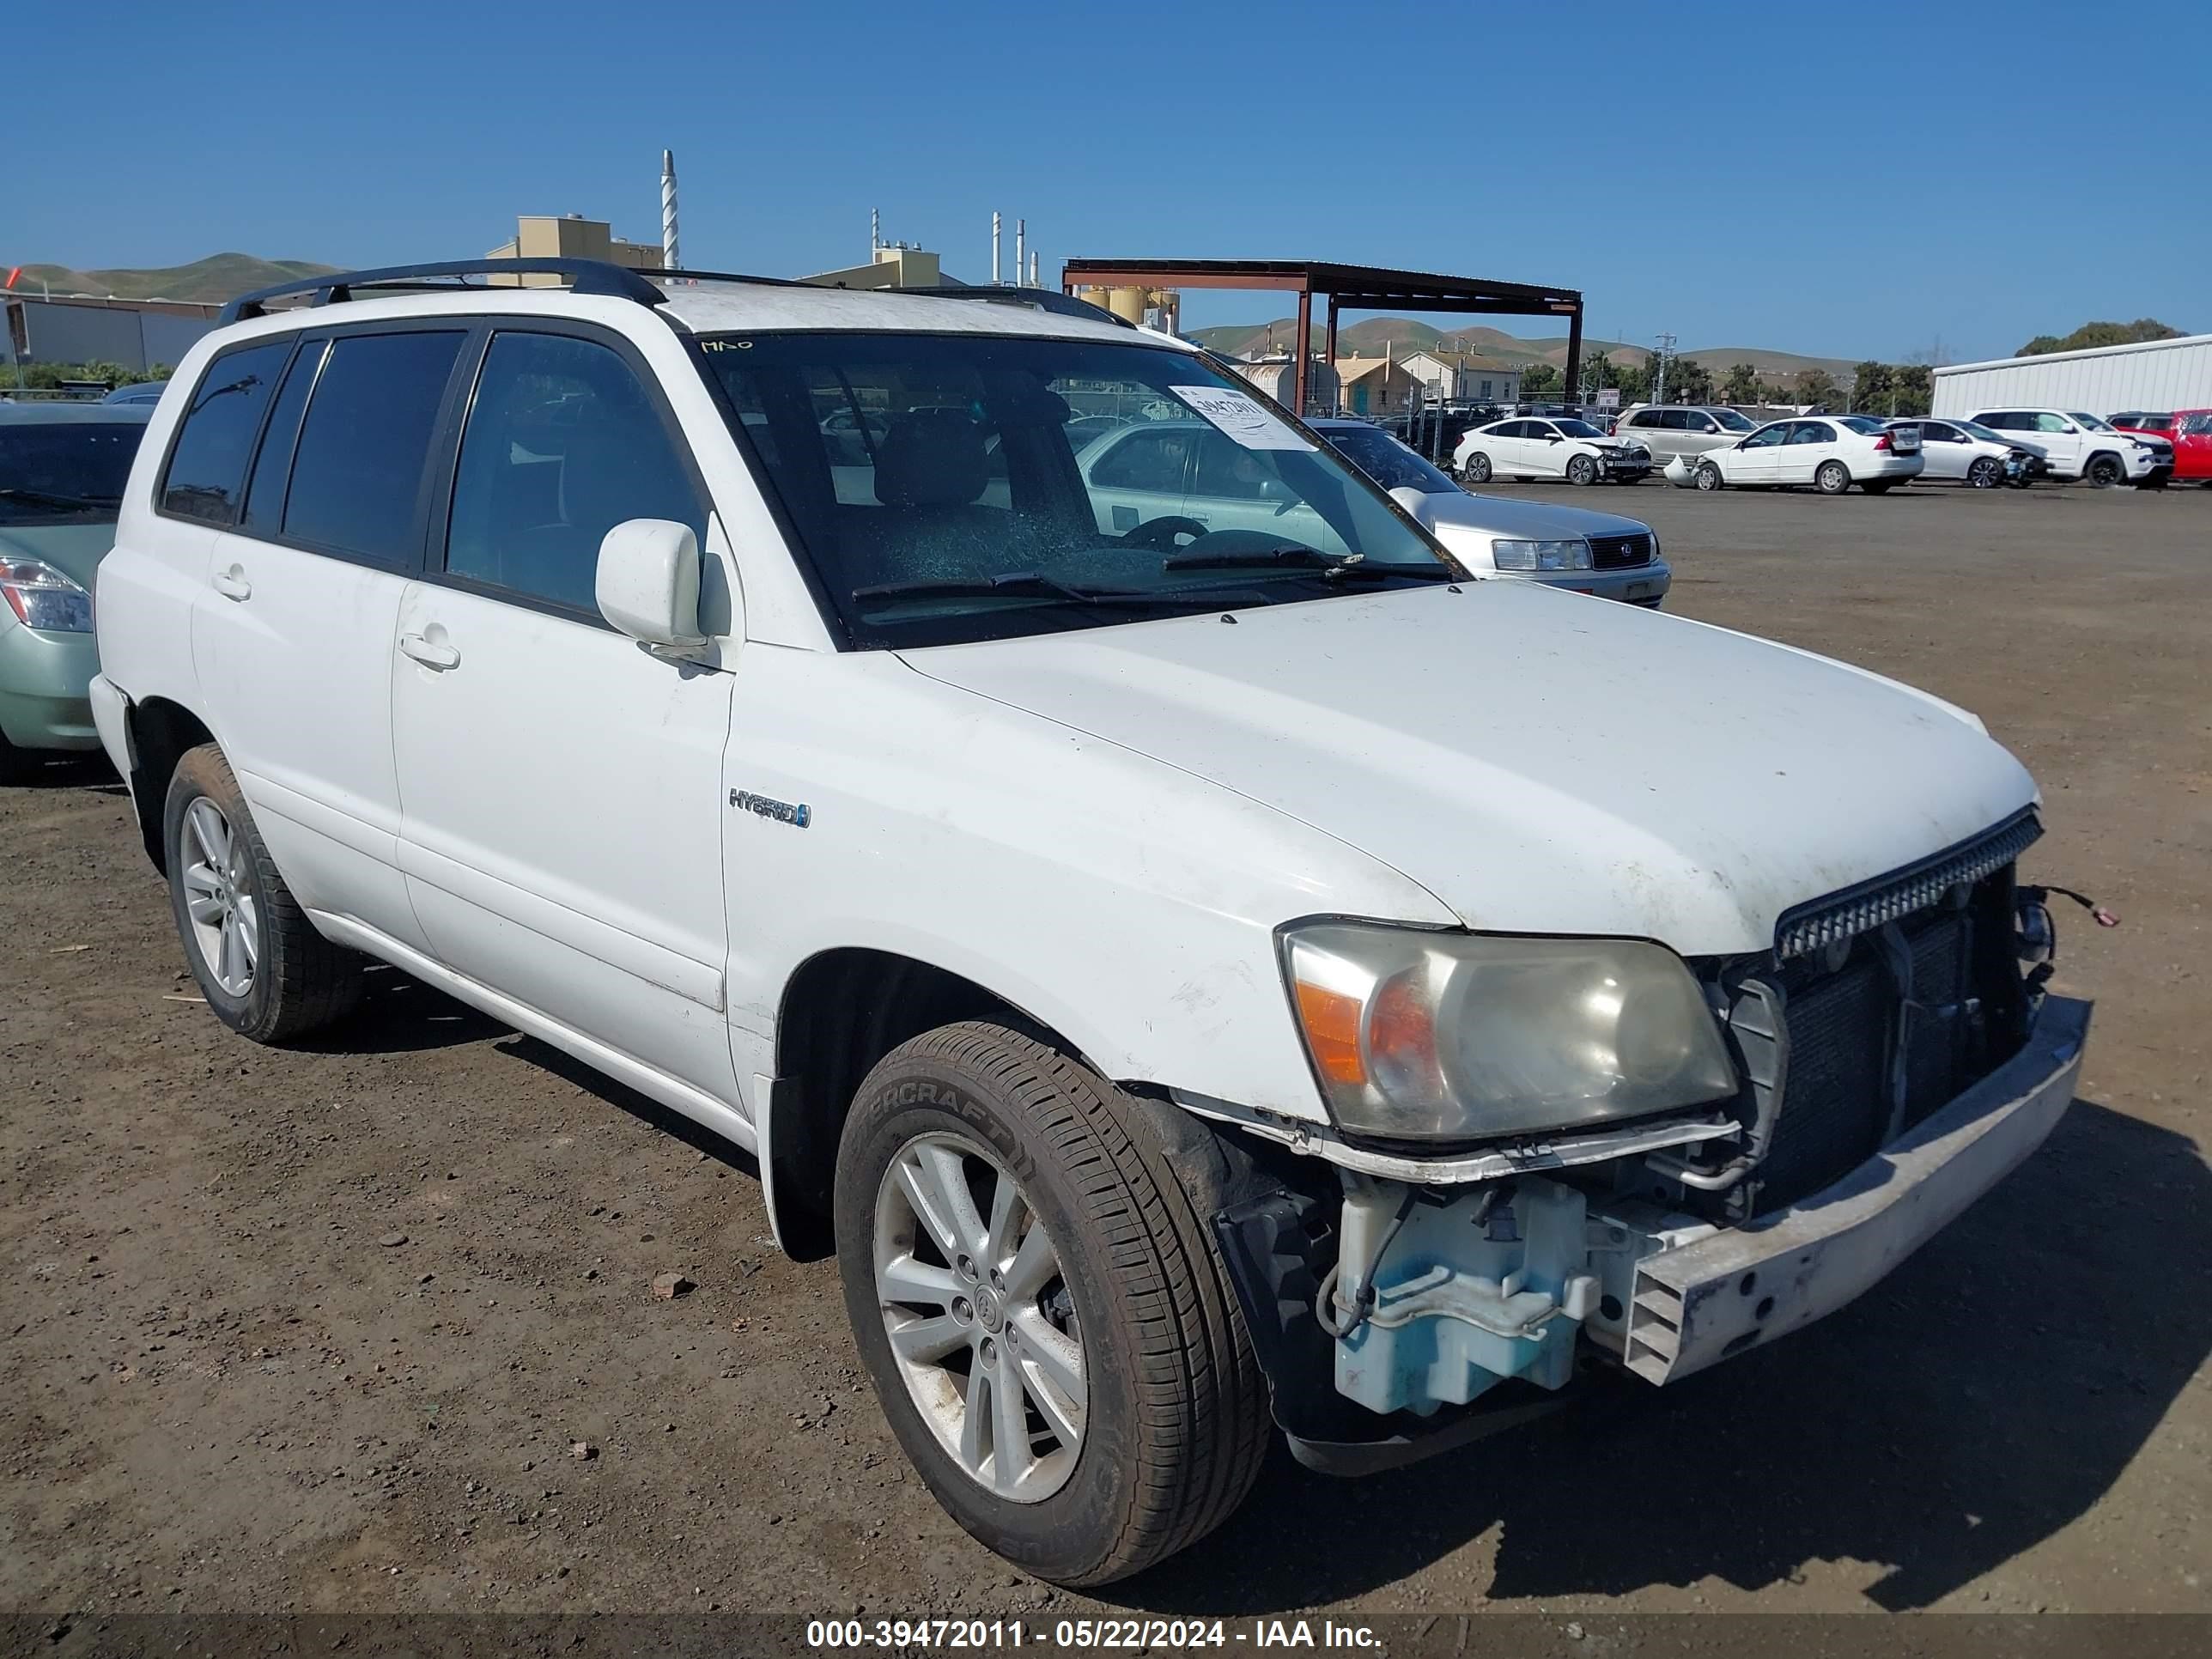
<point x="1354" y="288"/>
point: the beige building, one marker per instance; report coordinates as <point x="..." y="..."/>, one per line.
<point x="895" y="266"/>
<point x="1374" y="385"/>
<point x="1463" y="377"/>
<point x="1277" y="376"/>
<point x="572" y="236"/>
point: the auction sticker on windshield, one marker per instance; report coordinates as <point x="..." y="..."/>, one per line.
<point x="1239" y="416"/>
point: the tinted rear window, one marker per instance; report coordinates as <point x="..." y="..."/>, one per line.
<point x="357" y="474"/>
<point x="207" y="468"/>
<point x="65" y="472"/>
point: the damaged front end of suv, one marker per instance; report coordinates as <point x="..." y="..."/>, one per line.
<point x="1555" y="1156"/>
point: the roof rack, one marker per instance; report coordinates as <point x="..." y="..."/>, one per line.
<point x="648" y="288"/>
<point x="585" y="276"/>
<point x="1037" y="298"/>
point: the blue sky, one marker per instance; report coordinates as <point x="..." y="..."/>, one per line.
<point x="1856" y="180"/>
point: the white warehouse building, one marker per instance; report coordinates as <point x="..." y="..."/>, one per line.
<point x="2155" y="375"/>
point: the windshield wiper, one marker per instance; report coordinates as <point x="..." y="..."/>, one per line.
<point x="53" y="498"/>
<point x="1304" y="560"/>
<point x="1017" y="584"/>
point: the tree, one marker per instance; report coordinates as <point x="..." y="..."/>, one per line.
<point x="2090" y="334"/>
<point x="1815" y="387"/>
<point x="1688" y="381"/>
<point x="1871" y="384"/>
<point x="1915" y="389"/>
<point x="1539" y="379"/>
<point x="1741" y="385"/>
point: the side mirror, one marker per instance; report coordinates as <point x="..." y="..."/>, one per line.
<point x="1415" y="503"/>
<point x="647" y="581"/>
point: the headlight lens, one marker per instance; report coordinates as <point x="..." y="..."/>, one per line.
<point x="1418" y="1035"/>
<point x="1541" y="555"/>
<point x="42" y="597"/>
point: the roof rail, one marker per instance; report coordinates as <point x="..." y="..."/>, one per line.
<point x="1037" y="299"/>
<point x="585" y="276"/>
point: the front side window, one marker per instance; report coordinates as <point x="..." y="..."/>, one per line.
<point x="984" y="514"/>
<point x="2051" y="423"/>
<point x="207" y="467"/>
<point x="562" y="444"/>
<point x="357" y="471"/>
<point x="66" y="472"/>
<point x="2198" y="425"/>
<point x="1767" y="436"/>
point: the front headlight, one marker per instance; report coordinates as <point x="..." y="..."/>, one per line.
<point x="1541" y="555"/>
<point x="42" y="597"/>
<point x="1417" y="1035"/>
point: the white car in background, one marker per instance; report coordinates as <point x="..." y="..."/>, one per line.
<point x="1569" y="547"/>
<point x="1543" y="447"/>
<point x="2083" y="447"/>
<point x="1963" y="452"/>
<point x="1830" y="453"/>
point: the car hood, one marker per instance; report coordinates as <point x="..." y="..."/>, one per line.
<point x="1518" y="519"/>
<point x="75" y="549"/>
<point x="1539" y="761"/>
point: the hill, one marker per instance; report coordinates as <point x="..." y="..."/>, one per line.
<point x="213" y="280"/>
<point x="1404" y="334"/>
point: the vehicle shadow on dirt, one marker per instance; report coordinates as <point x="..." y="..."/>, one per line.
<point x="398" y="1015"/>
<point x="1984" y="1396"/>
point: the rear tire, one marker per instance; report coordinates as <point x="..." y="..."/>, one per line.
<point x="265" y="970"/>
<point x="1986" y="473"/>
<point x="2104" y="472"/>
<point x="1475" y="470"/>
<point x="1708" y="476"/>
<point x="1833" y="478"/>
<point x="1582" y="469"/>
<point x="1173" y="1423"/>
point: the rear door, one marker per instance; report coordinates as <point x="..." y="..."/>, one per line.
<point x="292" y="640"/>
<point x="2192" y="443"/>
<point x="1800" y="454"/>
<point x="561" y="787"/>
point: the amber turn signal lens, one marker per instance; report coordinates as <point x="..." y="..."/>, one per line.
<point x="1332" y="1023"/>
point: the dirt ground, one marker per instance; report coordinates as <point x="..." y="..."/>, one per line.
<point x="317" y="1330"/>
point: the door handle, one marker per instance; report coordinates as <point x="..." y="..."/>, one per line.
<point x="232" y="584"/>
<point x="431" y="653"/>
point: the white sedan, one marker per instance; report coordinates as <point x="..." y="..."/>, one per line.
<point x="1548" y="447"/>
<point x="1830" y="453"/>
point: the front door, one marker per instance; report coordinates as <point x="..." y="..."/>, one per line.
<point x="560" y="786"/>
<point x="1757" y="460"/>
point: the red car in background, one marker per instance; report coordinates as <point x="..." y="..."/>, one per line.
<point x="2189" y="432"/>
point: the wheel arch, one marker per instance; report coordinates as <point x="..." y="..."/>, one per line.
<point x="842" y="1009"/>
<point x="161" y="733"/>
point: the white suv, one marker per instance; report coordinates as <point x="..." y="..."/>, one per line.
<point x="2081" y="445"/>
<point x="1192" y="973"/>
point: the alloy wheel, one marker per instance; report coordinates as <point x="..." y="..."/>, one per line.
<point x="979" y="1318"/>
<point x="219" y="898"/>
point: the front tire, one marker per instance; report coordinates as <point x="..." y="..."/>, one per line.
<point x="1708" y="476"/>
<point x="1582" y="469"/>
<point x="2104" y="472"/>
<point x="1986" y="473"/>
<point x="263" y="968"/>
<point x="1475" y="470"/>
<point x="1003" y="1216"/>
<point x="1833" y="478"/>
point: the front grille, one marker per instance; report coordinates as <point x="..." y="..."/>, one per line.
<point x="1843" y="1028"/>
<point x="1620" y="552"/>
